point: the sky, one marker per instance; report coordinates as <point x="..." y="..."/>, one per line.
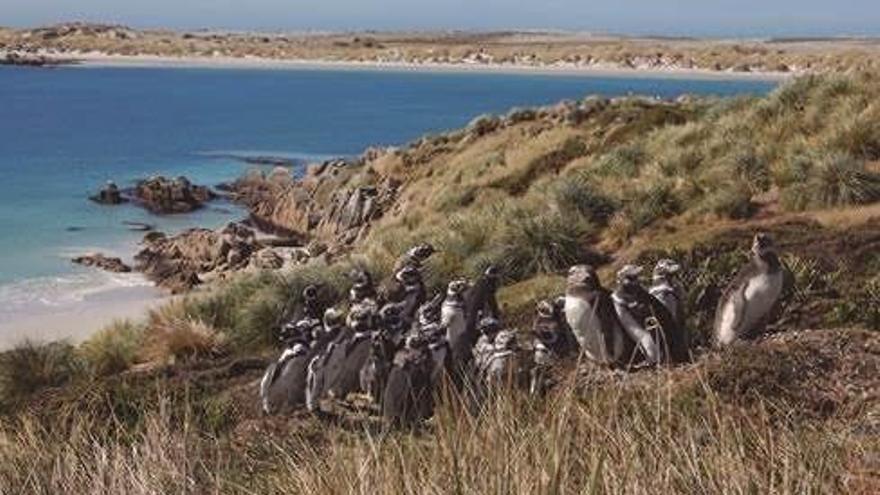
<point x="722" y="18"/>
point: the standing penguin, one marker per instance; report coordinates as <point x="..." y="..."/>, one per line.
<point x="647" y="320"/>
<point x="334" y="333"/>
<point x="480" y="300"/>
<point x="415" y="257"/>
<point x="667" y="289"/>
<point x="488" y="329"/>
<point x="344" y="364"/>
<point x="408" y="396"/>
<point x="503" y="367"/>
<point x="453" y="317"/>
<point x="363" y="288"/>
<point x="283" y="386"/>
<point x="374" y="373"/>
<point x="589" y="312"/>
<point x="747" y="303"/>
<point x="409" y="290"/>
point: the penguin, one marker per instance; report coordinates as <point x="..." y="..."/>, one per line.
<point x="392" y="324"/>
<point x="345" y="361"/>
<point x="441" y="354"/>
<point x="590" y="314"/>
<point x="409" y="290"/>
<point x="311" y="306"/>
<point x="502" y="367"/>
<point x="553" y="342"/>
<point x="415" y="257"/>
<point x="485" y="345"/>
<point x="408" y="396"/>
<point x="453" y="316"/>
<point x="334" y="333"/>
<point x="374" y="373"/>
<point x="667" y="289"/>
<point x="480" y="300"/>
<point x="283" y="386"/>
<point x="363" y="288"/>
<point x="429" y="313"/>
<point x="748" y="301"/>
<point x="647" y="320"/>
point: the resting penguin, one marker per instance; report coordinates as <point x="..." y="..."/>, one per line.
<point x="589" y="312"/>
<point x="408" y="396"/>
<point x="647" y="320"/>
<point x="667" y="289"/>
<point x="747" y="303"/>
<point x="343" y="366"/>
<point x="283" y="386"/>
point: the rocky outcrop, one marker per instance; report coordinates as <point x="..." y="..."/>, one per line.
<point x="34" y="60"/>
<point x="335" y="203"/>
<point x="167" y="196"/>
<point x="109" y="195"/>
<point x="107" y="263"/>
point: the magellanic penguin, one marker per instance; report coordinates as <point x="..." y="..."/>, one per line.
<point x="363" y="288"/>
<point x="343" y="367"/>
<point x="453" y="317"/>
<point x="283" y="386"/>
<point x="647" y="320"/>
<point x="488" y="329"/>
<point x="410" y="292"/>
<point x="374" y="373"/>
<point x="553" y="342"/>
<point x="415" y="257"/>
<point x="504" y="368"/>
<point x="334" y="333"/>
<point x="480" y="300"/>
<point x="589" y="312"/>
<point x="749" y="300"/>
<point x="408" y="396"/>
<point x="666" y="287"/>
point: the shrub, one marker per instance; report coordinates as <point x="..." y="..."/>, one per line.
<point x="749" y="167"/>
<point x="649" y="206"/>
<point x="734" y="202"/>
<point x="579" y="196"/>
<point x="540" y="243"/>
<point x="173" y="336"/>
<point x="834" y="180"/>
<point x="623" y="161"/>
<point x="113" y="349"/>
<point x="31" y="367"/>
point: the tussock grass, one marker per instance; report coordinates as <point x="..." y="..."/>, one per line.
<point x="657" y="439"/>
<point x="114" y="348"/>
<point x="172" y="336"/>
<point x="31" y="367"/>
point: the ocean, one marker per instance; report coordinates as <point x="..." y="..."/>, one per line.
<point x="66" y="131"/>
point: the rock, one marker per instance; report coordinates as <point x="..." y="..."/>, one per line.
<point x="484" y="124"/>
<point x="106" y="263"/>
<point x="179" y="262"/>
<point x="167" y="196"/>
<point x="267" y="259"/>
<point x="109" y="195"/>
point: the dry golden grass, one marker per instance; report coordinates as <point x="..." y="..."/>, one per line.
<point x="172" y="335"/>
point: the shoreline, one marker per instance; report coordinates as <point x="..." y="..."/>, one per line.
<point x="103" y="60"/>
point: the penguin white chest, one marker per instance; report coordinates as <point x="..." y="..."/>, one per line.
<point x="452" y="317"/>
<point x="579" y="315"/>
<point x="761" y="294"/>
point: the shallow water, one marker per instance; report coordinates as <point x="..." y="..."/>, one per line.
<point x="65" y="131"/>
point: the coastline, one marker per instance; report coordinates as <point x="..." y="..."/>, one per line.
<point x="103" y="60"/>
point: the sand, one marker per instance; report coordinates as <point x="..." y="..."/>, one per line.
<point x="94" y="59"/>
<point x="76" y="321"/>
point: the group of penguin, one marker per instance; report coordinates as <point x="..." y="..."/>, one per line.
<point x="398" y="347"/>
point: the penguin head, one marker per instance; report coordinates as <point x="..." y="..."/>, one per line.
<point x="488" y="326"/>
<point x="416" y="342"/>
<point x="409" y="275"/>
<point x="762" y="244"/>
<point x="332" y="319"/>
<point x="310" y="293"/>
<point x="505" y="340"/>
<point x="430" y="312"/>
<point x="493" y="274"/>
<point x="390" y="315"/>
<point x="583" y="276"/>
<point x="666" y="268"/>
<point x="628" y="276"/>
<point x="546" y="309"/>
<point x="360" y="318"/>
<point x="456" y="288"/>
<point x="421" y="252"/>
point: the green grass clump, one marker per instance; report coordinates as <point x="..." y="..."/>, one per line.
<point x="113" y="349"/>
<point x="832" y="180"/>
<point x="32" y="367"/>
<point x="623" y="161"/>
<point x="577" y="195"/>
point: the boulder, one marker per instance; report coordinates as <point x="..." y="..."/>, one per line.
<point x="109" y="195"/>
<point x="107" y="263"/>
<point x="164" y="196"/>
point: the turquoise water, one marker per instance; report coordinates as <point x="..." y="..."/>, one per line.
<point x="64" y="132"/>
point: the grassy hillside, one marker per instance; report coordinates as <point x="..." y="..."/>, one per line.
<point x="170" y="405"/>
